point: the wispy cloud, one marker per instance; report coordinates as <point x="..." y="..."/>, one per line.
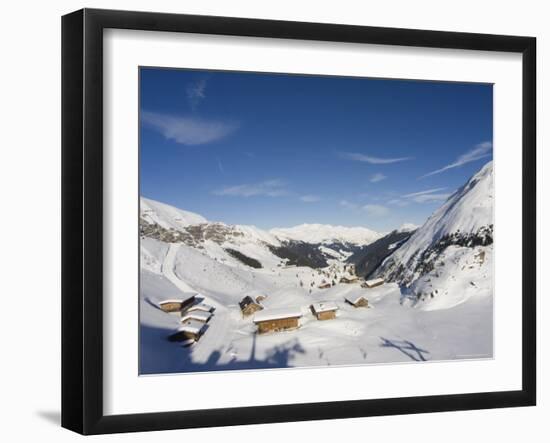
<point x="427" y="191"/>
<point x="378" y="177"/>
<point x="348" y="205"/>
<point x="269" y="188"/>
<point x="310" y="198"/>
<point x="220" y="165"/>
<point x="187" y="130"/>
<point x="371" y="209"/>
<point x="356" y="156"/>
<point x="429" y="198"/>
<point x="426" y="196"/>
<point x="479" y="151"/>
<point x="376" y="210"/>
<point x="398" y="202"/>
<point x="196" y="92"/>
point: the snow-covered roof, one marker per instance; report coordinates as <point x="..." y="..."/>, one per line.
<point x="170" y="300"/>
<point x="192" y="326"/>
<point x="374" y="281"/>
<point x="201" y="307"/>
<point x="248" y="300"/>
<point x="354" y="299"/>
<point x="184" y="298"/>
<point x="196" y="315"/>
<point x="324" y="306"/>
<point x="277" y="314"/>
<point x="187" y="342"/>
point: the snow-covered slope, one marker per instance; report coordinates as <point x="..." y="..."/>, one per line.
<point x="452" y="252"/>
<point x="407" y="227"/>
<point x="468" y="210"/>
<point x="317" y="233"/>
<point x="167" y="216"/>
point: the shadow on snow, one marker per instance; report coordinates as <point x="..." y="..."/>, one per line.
<point x="165" y="358"/>
<point x="406" y="347"/>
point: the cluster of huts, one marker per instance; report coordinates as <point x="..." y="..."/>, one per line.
<point x="275" y="320"/>
<point x="194" y="315"/>
<point x="332" y="274"/>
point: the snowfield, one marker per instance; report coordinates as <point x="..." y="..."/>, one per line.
<point x="443" y="312"/>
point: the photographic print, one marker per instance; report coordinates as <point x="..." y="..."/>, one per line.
<point x="294" y="221"/>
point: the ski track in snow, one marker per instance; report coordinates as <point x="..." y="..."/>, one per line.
<point x="217" y="332"/>
<point x="169" y="265"/>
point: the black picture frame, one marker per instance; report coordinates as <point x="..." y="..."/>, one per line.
<point x="82" y="218"/>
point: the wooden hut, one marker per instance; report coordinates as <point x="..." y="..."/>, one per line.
<point x="324" y="310"/>
<point x="249" y="306"/>
<point x="177" y="304"/>
<point x="196" y="315"/>
<point x="373" y="283"/>
<point x="189" y="330"/>
<point x="357" y="301"/>
<point x="275" y="320"/>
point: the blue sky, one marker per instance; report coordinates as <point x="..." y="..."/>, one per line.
<point x="276" y="150"/>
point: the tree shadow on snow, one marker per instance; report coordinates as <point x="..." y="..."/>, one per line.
<point x="406" y="347"/>
<point x="160" y="356"/>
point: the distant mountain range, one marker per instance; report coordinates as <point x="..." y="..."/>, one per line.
<point x="319" y="234"/>
<point x="313" y="245"/>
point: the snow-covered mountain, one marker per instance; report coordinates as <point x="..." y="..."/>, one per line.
<point x="407" y="227"/>
<point x="166" y="216"/>
<point x="327" y="234"/>
<point x="314" y="245"/>
<point x="451" y="253"/>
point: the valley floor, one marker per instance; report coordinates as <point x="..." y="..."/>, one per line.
<point x="391" y="330"/>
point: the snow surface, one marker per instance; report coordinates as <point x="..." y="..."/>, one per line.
<point x="394" y="330"/>
<point x="462" y="275"/>
<point x="317" y="233"/>
<point x="390" y="332"/>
